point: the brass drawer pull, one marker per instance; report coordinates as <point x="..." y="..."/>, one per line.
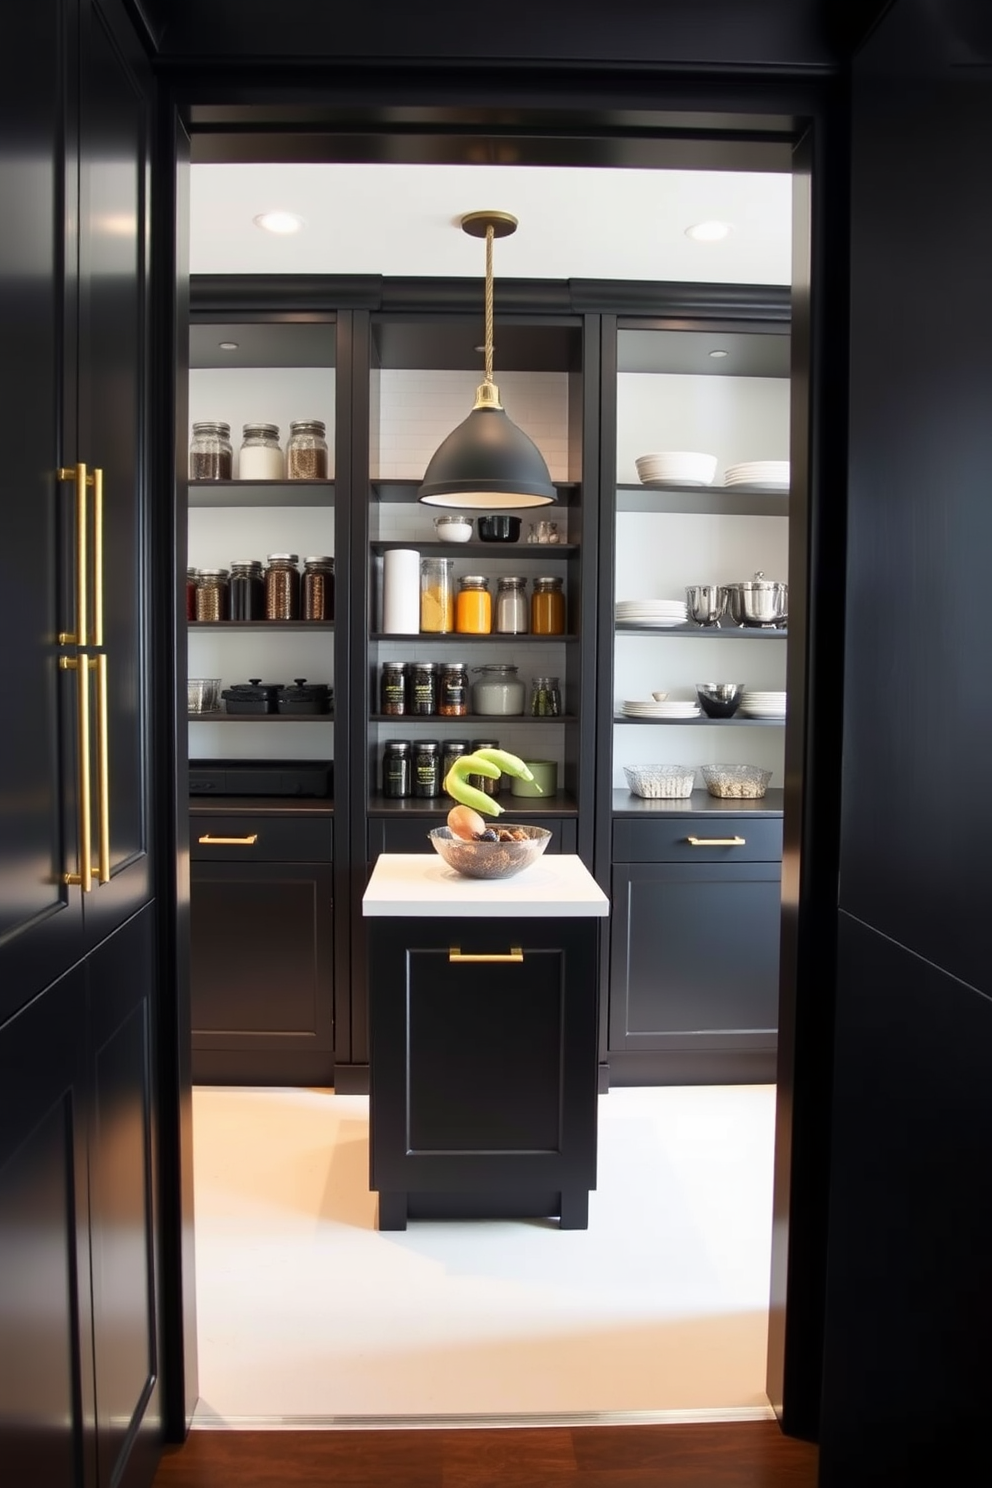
<point x="716" y="841"/>
<point x="515" y="955"/>
<point x="81" y="665"/>
<point x="210" y="841"/>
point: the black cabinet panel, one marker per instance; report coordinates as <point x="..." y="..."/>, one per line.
<point x="263" y="839"/>
<point x="45" y="1376"/>
<point x="669" y="840"/>
<point x="694" y="959"/>
<point x="410" y="834"/>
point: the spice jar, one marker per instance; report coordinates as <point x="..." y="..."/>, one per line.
<point x="512" y="609"/>
<point x="545" y="698"/>
<point x="282" y="587"/>
<point x="212" y="594"/>
<point x="396" y="769"/>
<point x="211" y="456"/>
<point x="473" y="606"/>
<point x="306" y="450"/>
<point x="451" y="750"/>
<point x="437" y="603"/>
<point x="485" y="783"/>
<point x="260" y="457"/>
<point x="547" y="607"/>
<point x="191" y="593"/>
<point x="422" y="691"/>
<point x="498" y="690"/>
<point x="392" y="689"/>
<point x="427" y="768"/>
<point x="452" y="689"/>
<point x="318" y="588"/>
<point x="247" y="590"/>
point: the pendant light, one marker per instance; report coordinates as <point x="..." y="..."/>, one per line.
<point x="487" y="461"/>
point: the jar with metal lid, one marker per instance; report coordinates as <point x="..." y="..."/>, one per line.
<point x="427" y="768"/>
<point x="260" y="457"/>
<point x="547" y="607"/>
<point x="282" y="587"/>
<point x="437" y="600"/>
<point x="212" y="600"/>
<point x="318" y="588"/>
<point x="397" y="762"/>
<point x="422" y="689"/>
<point x="211" y="456"/>
<point x="473" y="606"/>
<point x="512" y="609"/>
<point x="485" y="783"/>
<point x="191" y="593"/>
<point x="247" y="590"/>
<point x="545" y="698"/>
<point x="392" y="689"/>
<point x="451" y="750"/>
<point x="452" y="689"/>
<point x="306" y="450"/>
<point x="498" y="689"/>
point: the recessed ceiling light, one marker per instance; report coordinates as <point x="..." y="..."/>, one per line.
<point x="719" y="353"/>
<point x="228" y="345"/>
<point x="279" y="222"/>
<point x="708" y="232"/>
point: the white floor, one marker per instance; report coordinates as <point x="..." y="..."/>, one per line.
<point x="306" y="1310"/>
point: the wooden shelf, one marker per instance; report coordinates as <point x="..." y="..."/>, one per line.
<point x="299" y="626"/>
<point x="260" y="493"/>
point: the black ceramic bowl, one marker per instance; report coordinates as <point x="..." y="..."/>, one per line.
<point x="499" y="528"/>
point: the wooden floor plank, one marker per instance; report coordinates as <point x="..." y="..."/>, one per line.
<point x="725" y="1455"/>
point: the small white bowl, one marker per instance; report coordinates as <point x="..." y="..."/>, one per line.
<point x="660" y="697"/>
<point x="453" y="529"/>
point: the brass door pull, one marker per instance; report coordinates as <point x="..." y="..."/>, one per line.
<point x="211" y="841"/>
<point x="716" y="841"/>
<point x="84" y="878"/>
<point x="78" y="474"/>
<point x="102" y="768"/>
<point x="515" y="955"/>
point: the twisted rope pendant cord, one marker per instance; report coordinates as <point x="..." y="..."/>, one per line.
<point x="489" y="304"/>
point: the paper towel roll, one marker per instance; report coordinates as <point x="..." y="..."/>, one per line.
<point x="401" y="592"/>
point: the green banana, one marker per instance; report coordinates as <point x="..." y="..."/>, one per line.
<point x="508" y="764"/>
<point x="469" y="795"/>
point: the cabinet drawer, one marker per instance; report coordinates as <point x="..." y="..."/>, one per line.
<point x="667" y="841"/>
<point x="278" y="839"/>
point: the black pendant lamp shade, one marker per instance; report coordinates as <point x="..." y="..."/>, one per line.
<point x="487" y="461"/>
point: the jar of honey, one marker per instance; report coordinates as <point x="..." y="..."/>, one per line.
<point x="547" y="607"/>
<point x="473" y="606"/>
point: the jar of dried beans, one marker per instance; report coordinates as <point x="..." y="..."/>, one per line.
<point x="212" y="600"/>
<point x="210" y="452"/>
<point x="282" y="587"/>
<point x="318" y="588"/>
<point x="306" y="450"/>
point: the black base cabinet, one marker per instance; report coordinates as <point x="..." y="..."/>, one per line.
<point x="261" y="947"/>
<point x="694" y="950"/>
<point x="483" y="1074"/>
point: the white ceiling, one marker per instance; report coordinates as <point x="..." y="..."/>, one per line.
<point x="574" y="223"/>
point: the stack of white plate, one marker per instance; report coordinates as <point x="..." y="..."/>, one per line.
<point x="763" y="705"/>
<point x="654" y="612"/>
<point x="641" y="708"/>
<point x="676" y="468"/>
<point x="758" y="475"/>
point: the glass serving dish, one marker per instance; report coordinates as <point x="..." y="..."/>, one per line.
<point x="746" y="782"/>
<point x="490" y="859"/>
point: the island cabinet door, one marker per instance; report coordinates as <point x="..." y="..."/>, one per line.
<point x="483" y="1055"/>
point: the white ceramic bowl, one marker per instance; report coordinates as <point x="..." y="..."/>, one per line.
<point x="659" y="697"/>
<point x="453" y="529"/>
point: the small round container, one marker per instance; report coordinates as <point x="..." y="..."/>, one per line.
<point x="422" y="689"/>
<point x="392" y="689"/>
<point x="260" y="457"/>
<point x="427" y="768"/>
<point x="397" y="769"/>
<point x="306" y="450"/>
<point x="498" y="691"/>
<point x="212" y="595"/>
<point x="211" y="455"/>
<point x="512" y="607"/>
<point x="282" y="587"/>
<point x="544" y="784"/>
<point x="453" y="528"/>
<point x="500" y="527"/>
<point x="547" y="606"/>
<point x="247" y="590"/>
<point x="452" y="689"/>
<point x="317" y="602"/>
<point x="545" y="698"/>
<point x="473" y="606"/>
<point x="437" y="599"/>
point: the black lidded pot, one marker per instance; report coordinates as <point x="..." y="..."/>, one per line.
<point x="306" y="697"/>
<point x="253" y="696"/>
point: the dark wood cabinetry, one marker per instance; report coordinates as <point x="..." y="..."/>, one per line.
<point x="262" y="945"/>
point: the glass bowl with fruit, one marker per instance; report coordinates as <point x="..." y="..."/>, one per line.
<point x="471" y="845"/>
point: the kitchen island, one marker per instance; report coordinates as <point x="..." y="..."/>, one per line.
<point x="483" y="1027"/>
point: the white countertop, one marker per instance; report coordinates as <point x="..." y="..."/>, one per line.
<point x="558" y="886"/>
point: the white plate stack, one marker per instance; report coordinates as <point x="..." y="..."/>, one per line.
<point x="647" y="708"/>
<point x="659" y="613"/>
<point x="758" y="475"/>
<point x="676" y="468"/>
<point x="763" y="705"/>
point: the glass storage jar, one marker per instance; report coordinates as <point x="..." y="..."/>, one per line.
<point x="212" y="600"/>
<point x="547" y="607"/>
<point x="306" y="450"/>
<point x="396" y="769"/>
<point x="211" y="456"/>
<point x="427" y="768"/>
<point x="422" y="689"/>
<point x="485" y="783"/>
<point x="260" y="457"/>
<point x="191" y="594"/>
<point x="473" y="606"/>
<point x="282" y="587"/>
<point x="437" y="600"/>
<point x="545" y="698"/>
<point x="451" y="750"/>
<point x="512" y="609"/>
<point x="392" y="689"/>
<point x="498" y="689"/>
<point x="247" y="590"/>
<point x="452" y="689"/>
<point x="318" y="587"/>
